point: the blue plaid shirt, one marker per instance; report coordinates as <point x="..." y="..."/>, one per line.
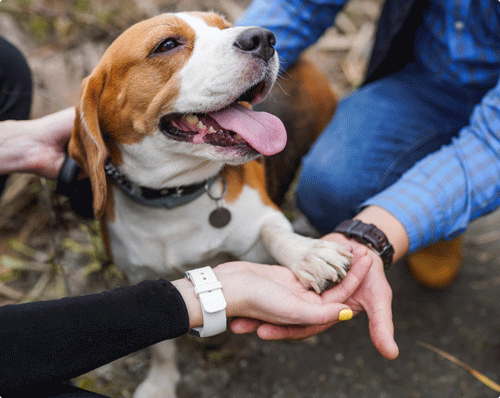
<point x="459" y="42"/>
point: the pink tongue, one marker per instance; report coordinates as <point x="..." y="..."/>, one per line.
<point x="263" y="131"/>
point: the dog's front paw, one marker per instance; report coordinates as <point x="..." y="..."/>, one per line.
<point x="324" y="264"/>
<point x="150" y="389"/>
<point x="161" y="382"/>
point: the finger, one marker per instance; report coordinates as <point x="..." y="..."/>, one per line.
<point x="244" y="325"/>
<point x="308" y="319"/>
<point x="359" y="252"/>
<point x="355" y="276"/>
<point x="382" y="336"/>
<point x="304" y="314"/>
<point x="380" y="323"/>
<point x="268" y="331"/>
<point x="322" y="314"/>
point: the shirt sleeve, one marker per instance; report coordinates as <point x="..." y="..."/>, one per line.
<point x="296" y="23"/>
<point x="54" y="341"/>
<point x="440" y="195"/>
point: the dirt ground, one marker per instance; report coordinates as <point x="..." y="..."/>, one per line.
<point x="47" y="252"/>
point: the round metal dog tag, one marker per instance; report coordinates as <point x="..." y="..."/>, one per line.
<point x="220" y="217"/>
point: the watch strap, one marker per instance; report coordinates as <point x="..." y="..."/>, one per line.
<point x="369" y="235"/>
<point x="213" y="305"/>
<point x="75" y="188"/>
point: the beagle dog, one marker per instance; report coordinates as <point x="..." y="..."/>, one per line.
<point x="164" y="131"/>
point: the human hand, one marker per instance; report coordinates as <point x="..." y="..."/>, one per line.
<point x="269" y="330"/>
<point x="365" y="288"/>
<point x="374" y="295"/>
<point x="259" y="295"/>
<point x="36" y="146"/>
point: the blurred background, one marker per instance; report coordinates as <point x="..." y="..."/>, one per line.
<point x="48" y="252"/>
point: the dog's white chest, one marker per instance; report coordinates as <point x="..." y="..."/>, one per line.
<point x="151" y="241"/>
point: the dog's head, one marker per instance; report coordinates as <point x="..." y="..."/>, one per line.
<point x="166" y="99"/>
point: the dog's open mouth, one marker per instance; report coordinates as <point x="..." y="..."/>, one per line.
<point x="234" y="126"/>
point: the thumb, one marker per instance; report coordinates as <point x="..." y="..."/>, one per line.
<point x="382" y="335"/>
<point x="380" y="322"/>
<point x="244" y="325"/>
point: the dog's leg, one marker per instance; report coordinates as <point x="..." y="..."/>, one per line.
<point x="316" y="263"/>
<point x="163" y="375"/>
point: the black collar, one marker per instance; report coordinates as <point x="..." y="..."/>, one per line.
<point x="166" y="197"/>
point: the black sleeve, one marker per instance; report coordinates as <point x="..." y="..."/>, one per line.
<point x="61" y="339"/>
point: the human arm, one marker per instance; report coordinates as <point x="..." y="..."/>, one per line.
<point x="374" y="294"/>
<point x="61" y="339"/>
<point x="57" y="340"/>
<point x="296" y="23"/>
<point x="435" y="199"/>
<point x="37" y="145"/>
<point x="440" y="195"/>
<point x="269" y="294"/>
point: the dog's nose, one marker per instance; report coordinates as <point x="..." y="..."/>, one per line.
<point x="257" y="41"/>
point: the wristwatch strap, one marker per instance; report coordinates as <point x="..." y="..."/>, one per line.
<point x="78" y="190"/>
<point x="213" y="305"/>
<point x="369" y="235"/>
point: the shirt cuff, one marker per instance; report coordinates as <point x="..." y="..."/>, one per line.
<point x="421" y="222"/>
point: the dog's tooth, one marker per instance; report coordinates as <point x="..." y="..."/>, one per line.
<point x="201" y="126"/>
<point x="192" y="118"/>
<point x="211" y="130"/>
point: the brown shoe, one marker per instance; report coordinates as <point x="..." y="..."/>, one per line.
<point x="438" y="265"/>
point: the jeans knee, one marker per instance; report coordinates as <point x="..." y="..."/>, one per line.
<point x="327" y="197"/>
<point x="15" y="83"/>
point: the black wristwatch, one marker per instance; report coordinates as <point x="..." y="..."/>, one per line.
<point x="370" y="235"/>
<point x="78" y="190"/>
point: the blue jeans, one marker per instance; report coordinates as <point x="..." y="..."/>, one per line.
<point x="378" y="133"/>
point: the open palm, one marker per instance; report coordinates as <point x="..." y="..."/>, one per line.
<point x="365" y="288"/>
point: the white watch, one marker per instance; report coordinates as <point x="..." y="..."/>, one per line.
<point x="213" y="305"/>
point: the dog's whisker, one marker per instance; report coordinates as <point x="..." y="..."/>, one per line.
<point x="282" y="89"/>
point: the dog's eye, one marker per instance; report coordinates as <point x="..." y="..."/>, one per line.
<point x="167" y="45"/>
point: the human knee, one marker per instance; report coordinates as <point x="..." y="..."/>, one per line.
<point x="329" y="196"/>
<point x="15" y="83"/>
<point x="13" y="64"/>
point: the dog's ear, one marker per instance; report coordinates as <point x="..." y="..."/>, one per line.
<point x="86" y="145"/>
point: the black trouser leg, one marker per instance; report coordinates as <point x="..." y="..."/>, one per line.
<point x="15" y="103"/>
<point x="57" y="390"/>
